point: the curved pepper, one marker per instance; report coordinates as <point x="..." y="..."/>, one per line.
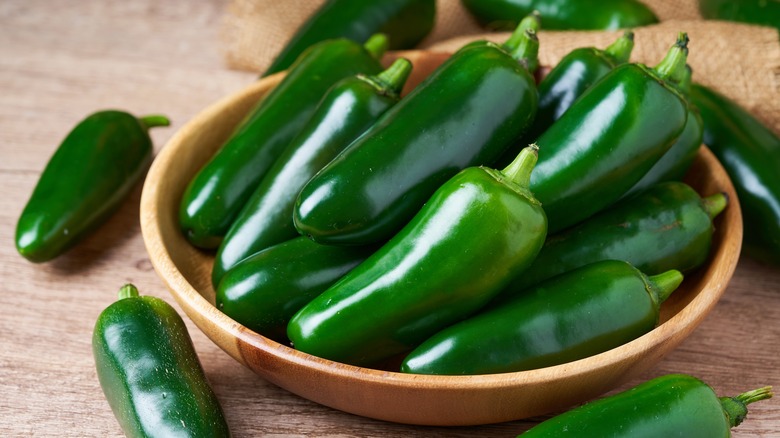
<point x="609" y="138"/>
<point x="150" y="373"/>
<point x="763" y="12"/>
<point x="349" y="108"/>
<point x="265" y="290"/>
<point x="405" y="22"/>
<point x="583" y="312"/>
<point x="85" y="181"/>
<point x="479" y="228"/>
<point x="668" y="226"/>
<point x="219" y="190"/>
<point x="563" y="14"/>
<point x="750" y="153"/>
<point x="464" y="114"/>
<point x="671" y="405"/>
<point x="673" y="165"/>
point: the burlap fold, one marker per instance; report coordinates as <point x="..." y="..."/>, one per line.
<point x="741" y="61"/>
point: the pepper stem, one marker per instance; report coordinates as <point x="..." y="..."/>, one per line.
<point x="685" y="83"/>
<point x="153" y="120"/>
<point x="672" y="67"/>
<point x="620" y="50"/>
<point x="523" y="44"/>
<point x="665" y="283"/>
<point x="715" y="204"/>
<point x="395" y="76"/>
<point x="519" y="170"/>
<point x="736" y="407"/>
<point x="128" y="291"/>
<point x="377" y="45"/>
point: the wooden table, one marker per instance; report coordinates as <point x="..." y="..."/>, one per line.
<point x="60" y="61"/>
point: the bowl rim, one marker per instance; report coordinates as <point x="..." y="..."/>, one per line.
<point x="192" y="301"/>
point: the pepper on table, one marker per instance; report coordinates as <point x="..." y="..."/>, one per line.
<point x="346" y="111"/>
<point x="466" y="113"/>
<point x="477" y="229"/>
<point x="150" y="373"/>
<point x="85" y="181"/>
<point x="219" y="190"/>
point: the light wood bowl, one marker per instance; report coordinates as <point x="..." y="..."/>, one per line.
<point x="393" y="396"/>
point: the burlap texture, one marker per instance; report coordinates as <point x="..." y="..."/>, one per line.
<point x="741" y="61"/>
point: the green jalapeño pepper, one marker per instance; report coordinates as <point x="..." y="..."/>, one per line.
<point x="673" y="165"/>
<point x="466" y="113"/>
<point x="265" y="290"/>
<point x="750" y="153"/>
<point x="478" y="229"/>
<point x="609" y="138"/>
<point x="668" y="226"/>
<point x="671" y="405"/>
<point x="575" y="315"/>
<point x="763" y="12"/>
<point x="405" y="22"/>
<point x="349" y="108"/>
<point x="563" y="14"/>
<point x="150" y="373"/>
<point x="218" y="192"/>
<point x="85" y="181"/>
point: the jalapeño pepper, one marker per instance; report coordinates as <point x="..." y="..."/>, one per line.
<point x="264" y="291"/>
<point x="563" y="14"/>
<point x="458" y="252"/>
<point x="150" y="373"/>
<point x="85" y="181"/>
<point x="750" y="153"/>
<point x="348" y="109"/>
<point x="405" y="22"/>
<point x="671" y="405"/>
<point x="609" y="138"/>
<point x="466" y="113"/>
<point x="583" y="312"/>
<point x="668" y="226"/>
<point x="219" y="190"/>
<point x="763" y="12"/>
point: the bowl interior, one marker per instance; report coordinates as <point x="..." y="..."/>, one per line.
<point x="384" y="394"/>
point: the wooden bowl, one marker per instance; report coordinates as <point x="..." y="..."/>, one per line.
<point x="386" y="395"/>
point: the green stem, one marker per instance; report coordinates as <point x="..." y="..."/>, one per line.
<point x="128" y="291"/>
<point x="736" y="407"/>
<point x="620" y="50"/>
<point x="153" y="120"/>
<point x="523" y="44"/>
<point x="715" y="204"/>
<point x="377" y="45"/>
<point x="395" y="76"/>
<point x="672" y="67"/>
<point x="665" y="283"/>
<point x="519" y="170"/>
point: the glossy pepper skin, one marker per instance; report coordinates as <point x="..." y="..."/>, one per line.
<point x="673" y="165"/>
<point x="85" y="181"/>
<point x="479" y="228"/>
<point x="405" y="22"/>
<point x="668" y="226"/>
<point x="609" y="138"/>
<point x="150" y="373"/>
<point x="563" y="14"/>
<point x="583" y="312"/>
<point x="218" y="192"/>
<point x="265" y="290"/>
<point x="346" y="111"/>
<point x="674" y="405"/>
<point x="464" y="114"/>
<point x="750" y="153"/>
<point x="763" y="12"/>
<point x="575" y="73"/>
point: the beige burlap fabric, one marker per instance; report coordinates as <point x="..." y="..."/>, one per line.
<point x="739" y="60"/>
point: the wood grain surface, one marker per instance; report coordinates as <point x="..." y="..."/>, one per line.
<point x="60" y="61"/>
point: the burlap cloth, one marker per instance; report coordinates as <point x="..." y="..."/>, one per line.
<point x="741" y="61"/>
